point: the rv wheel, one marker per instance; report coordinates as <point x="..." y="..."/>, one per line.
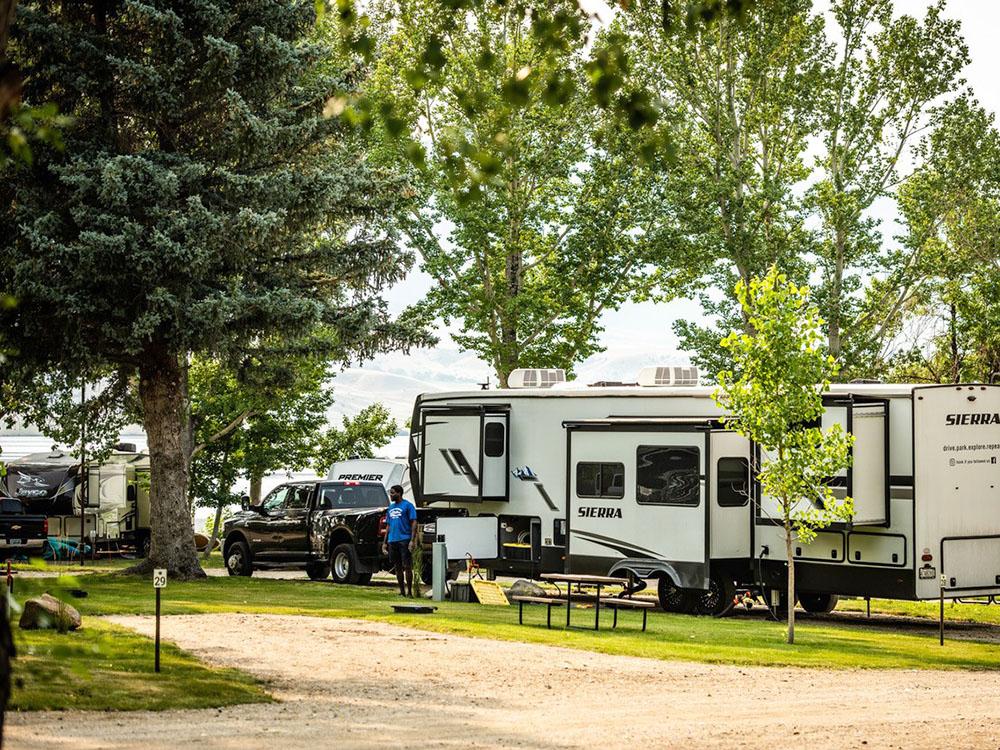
<point x="143" y="545"/>
<point x="238" y="560"/>
<point x="673" y="599"/>
<point x="818" y="604"/>
<point x="718" y="600"/>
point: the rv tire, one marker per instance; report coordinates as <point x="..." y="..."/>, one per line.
<point x="238" y="562"/>
<point x="718" y="600"/>
<point x="673" y="599"/>
<point x="818" y="604"/>
<point x="143" y="544"/>
<point x="344" y="564"/>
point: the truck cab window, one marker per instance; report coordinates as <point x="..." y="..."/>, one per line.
<point x="598" y="479"/>
<point x="668" y="475"/>
<point x="733" y="477"/>
<point x="275" y="500"/>
<point x="298" y="497"/>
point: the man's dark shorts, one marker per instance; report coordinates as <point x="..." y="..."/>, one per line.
<point x="399" y="552"/>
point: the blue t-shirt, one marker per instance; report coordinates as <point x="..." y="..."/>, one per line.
<point x="400" y="516"/>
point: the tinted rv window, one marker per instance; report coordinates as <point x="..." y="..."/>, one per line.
<point x="668" y="475"/>
<point x="734" y="482"/>
<point x="600" y="480"/>
<point x="493" y="438"/>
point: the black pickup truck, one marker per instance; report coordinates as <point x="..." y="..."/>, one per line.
<point x="20" y="533"/>
<point x="321" y="526"/>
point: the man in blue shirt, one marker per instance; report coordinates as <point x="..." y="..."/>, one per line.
<point x="401" y="535"/>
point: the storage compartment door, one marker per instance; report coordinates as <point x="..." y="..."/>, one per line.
<point x="971" y="563"/>
<point x="869" y="470"/>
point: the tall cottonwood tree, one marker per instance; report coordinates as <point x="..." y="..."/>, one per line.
<point x="880" y="89"/>
<point x="202" y="201"/>
<point x="944" y="295"/>
<point x="740" y="99"/>
<point x="527" y="213"/>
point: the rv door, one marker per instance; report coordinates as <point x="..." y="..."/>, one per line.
<point x="464" y="454"/>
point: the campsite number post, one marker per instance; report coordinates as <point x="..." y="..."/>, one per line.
<point x="159" y="582"/>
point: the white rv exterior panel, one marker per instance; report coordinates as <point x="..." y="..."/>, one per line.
<point x="869" y="483"/>
<point x="827" y="546"/>
<point x="451" y="445"/>
<point x="865" y="548"/>
<point x="478" y="536"/>
<point x="957" y="485"/>
<point x="729" y="526"/>
<point x="641" y="524"/>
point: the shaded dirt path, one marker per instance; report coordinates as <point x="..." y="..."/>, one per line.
<point x="347" y="683"/>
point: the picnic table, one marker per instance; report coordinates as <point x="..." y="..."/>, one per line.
<point x="580" y="581"/>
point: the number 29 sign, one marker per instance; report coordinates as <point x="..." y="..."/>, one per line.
<point x="159" y="578"/>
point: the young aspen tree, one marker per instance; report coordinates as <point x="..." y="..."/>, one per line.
<point x="774" y="397"/>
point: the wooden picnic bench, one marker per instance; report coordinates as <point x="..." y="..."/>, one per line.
<point x="550" y="601"/>
<point x="566" y="599"/>
<point x="615" y="603"/>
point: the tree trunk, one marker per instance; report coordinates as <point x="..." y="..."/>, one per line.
<point x="255" y="488"/>
<point x="956" y="367"/>
<point x="10" y="78"/>
<point x="834" y="339"/>
<point x="215" y="530"/>
<point x="161" y="390"/>
<point x="7" y="8"/>
<point x="791" y="583"/>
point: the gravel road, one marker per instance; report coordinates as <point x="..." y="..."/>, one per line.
<point x="357" y="684"/>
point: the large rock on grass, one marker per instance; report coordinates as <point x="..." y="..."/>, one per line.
<point x="47" y="612"/>
<point x="524" y="587"/>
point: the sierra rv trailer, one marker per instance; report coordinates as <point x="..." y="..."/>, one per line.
<point x="646" y="480"/>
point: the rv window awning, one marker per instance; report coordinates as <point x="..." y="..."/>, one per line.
<point x="662" y="423"/>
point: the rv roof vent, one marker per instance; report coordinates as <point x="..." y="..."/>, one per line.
<point x="535" y="378"/>
<point x="668" y="376"/>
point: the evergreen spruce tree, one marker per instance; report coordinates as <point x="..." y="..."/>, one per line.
<point x="202" y="201"/>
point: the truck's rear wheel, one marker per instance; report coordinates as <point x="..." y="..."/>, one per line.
<point x="673" y="599"/>
<point x="238" y="562"/>
<point x="818" y="604"/>
<point x="318" y="571"/>
<point x="344" y="564"/>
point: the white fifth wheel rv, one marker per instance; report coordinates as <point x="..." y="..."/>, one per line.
<point x="645" y="480"/>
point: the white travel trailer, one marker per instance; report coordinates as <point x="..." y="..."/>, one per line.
<point x="644" y="479"/>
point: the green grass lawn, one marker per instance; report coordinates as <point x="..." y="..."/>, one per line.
<point x="105" y="667"/>
<point x="956" y="611"/>
<point x="734" y="640"/>
<point x="103" y="564"/>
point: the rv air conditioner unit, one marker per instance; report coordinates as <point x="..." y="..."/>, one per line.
<point x="677" y="376"/>
<point x="535" y="378"/>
